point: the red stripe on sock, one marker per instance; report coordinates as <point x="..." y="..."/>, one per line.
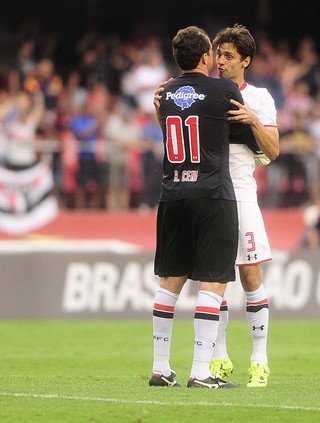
<point x="163" y="307"/>
<point x="266" y="301"/>
<point x="210" y="310"/>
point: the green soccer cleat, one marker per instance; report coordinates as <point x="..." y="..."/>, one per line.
<point x="221" y="368"/>
<point x="210" y="383"/>
<point x="158" y="379"/>
<point x="259" y="373"/>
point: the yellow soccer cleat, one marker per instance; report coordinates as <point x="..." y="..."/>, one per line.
<point x="221" y="368"/>
<point x="258" y="375"/>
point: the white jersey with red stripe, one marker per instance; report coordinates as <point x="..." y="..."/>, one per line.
<point x="253" y="244"/>
<point x="242" y="163"/>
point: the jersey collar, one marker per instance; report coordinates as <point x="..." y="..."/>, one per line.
<point x="243" y="86"/>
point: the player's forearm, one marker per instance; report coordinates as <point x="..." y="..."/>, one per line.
<point x="267" y="138"/>
<point x="157" y="110"/>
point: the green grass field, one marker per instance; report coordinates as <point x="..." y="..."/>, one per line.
<point x="98" y="372"/>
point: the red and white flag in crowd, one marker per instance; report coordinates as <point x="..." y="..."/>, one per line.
<point x="27" y="201"/>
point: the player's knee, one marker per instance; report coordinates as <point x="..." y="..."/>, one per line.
<point x="250" y="284"/>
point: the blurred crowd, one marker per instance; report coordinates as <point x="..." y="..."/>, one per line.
<point x="93" y="119"/>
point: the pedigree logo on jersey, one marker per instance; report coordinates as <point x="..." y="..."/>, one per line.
<point x="184" y="97"/>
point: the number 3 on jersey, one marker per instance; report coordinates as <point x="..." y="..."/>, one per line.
<point x="175" y="145"/>
<point x="251" y="242"/>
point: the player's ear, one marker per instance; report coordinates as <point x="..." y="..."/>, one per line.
<point x="246" y="62"/>
<point x="204" y="58"/>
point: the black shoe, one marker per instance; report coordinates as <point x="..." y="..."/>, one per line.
<point x="210" y="382"/>
<point x="161" y="380"/>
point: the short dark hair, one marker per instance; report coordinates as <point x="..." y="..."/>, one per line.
<point x="240" y="37"/>
<point x="188" y="45"/>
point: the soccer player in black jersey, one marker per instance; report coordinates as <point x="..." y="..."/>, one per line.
<point x="197" y="221"/>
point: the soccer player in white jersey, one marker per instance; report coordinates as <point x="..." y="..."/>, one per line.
<point x="235" y="49"/>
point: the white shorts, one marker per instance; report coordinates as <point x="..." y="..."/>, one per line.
<point x="253" y="247"/>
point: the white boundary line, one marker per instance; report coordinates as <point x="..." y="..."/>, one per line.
<point x="152" y="402"/>
<point x="65" y="245"/>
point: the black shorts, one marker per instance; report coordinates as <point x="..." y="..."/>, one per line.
<point x="197" y="237"/>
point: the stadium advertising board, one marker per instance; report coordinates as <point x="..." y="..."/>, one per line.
<point x="94" y="281"/>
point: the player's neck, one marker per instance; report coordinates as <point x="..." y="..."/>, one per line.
<point x="201" y="70"/>
<point x="239" y="81"/>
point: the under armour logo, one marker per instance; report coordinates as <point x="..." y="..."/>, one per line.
<point x="258" y="327"/>
<point x="253" y="257"/>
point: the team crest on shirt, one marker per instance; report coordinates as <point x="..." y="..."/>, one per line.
<point x="184" y="97"/>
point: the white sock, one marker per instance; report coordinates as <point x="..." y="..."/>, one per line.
<point x="257" y="308"/>
<point x="220" y="349"/>
<point x="206" y="321"/>
<point x="163" y="313"/>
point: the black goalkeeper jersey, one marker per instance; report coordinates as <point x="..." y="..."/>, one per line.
<point x="193" y="111"/>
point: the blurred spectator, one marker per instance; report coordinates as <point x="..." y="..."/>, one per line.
<point x="21" y="116"/>
<point x="26" y="182"/>
<point x="122" y="135"/>
<point x="309" y="65"/>
<point x="118" y="63"/>
<point x="50" y="82"/>
<point x="313" y="128"/>
<point x="297" y="100"/>
<point x="297" y="161"/>
<point x="311" y="235"/>
<point x="146" y="76"/>
<point x="151" y="145"/>
<point x="87" y="68"/>
<point x="72" y="89"/>
<point x="25" y="61"/>
<point x="85" y="125"/>
<point x="65" y="161"/>
<point x="265" y="69"/>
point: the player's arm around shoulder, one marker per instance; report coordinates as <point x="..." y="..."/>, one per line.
<point x="265" y="129"/>
<point x="158" y="96"/>
<point x="266" y="136"/>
